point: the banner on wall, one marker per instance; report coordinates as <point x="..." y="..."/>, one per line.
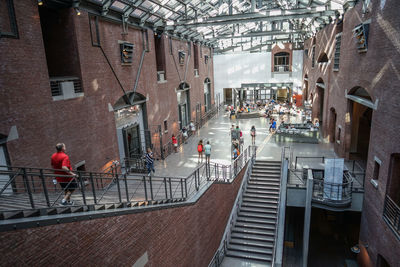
<point x="333" y="179"/>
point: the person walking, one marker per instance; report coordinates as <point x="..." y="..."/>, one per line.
<point x="175" y="143"/>
<point x="273" y="126"/>
<point x="200" y="150"/>
<point x="62" y="166"/>
<point x="253" y="135"/>
<point x="192" y="127"/>
<point x="149" y="161"/>
<point x="184" y="134"/>
<point x="207" y="151"/>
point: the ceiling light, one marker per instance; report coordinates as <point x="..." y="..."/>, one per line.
<point x="40" y="2"/>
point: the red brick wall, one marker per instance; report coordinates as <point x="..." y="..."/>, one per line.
<point x="377" y="71"/>
<point x="182" y="236"/>
<point x="84" y="124"/>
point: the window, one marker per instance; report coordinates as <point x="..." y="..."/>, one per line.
<point x="206" y="59"/>
<point x="323" y="58"/>
<point x="393" y="184"/>
<point x="126" y="53"/>
<point x="339" y="134"/>
<point x="306" y="52"/>
<point x="281" y="62"/>
<point x="337" y="52"/>
<point x="166" y="126"/>
<point x="361" y="34"/>
<point x="375" y="175"/>
<point x="160" y="57"/>
<point x="313" y="56"/>
<point x="181" y="56"/>
<point x="8" y="22"/>
<point x="196" y="58"/>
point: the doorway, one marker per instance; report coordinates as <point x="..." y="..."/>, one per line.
<point x="132" y="142"/>
<point x="332" y="125"/>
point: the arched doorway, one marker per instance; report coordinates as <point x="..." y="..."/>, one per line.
<point x="183" y="96"/>
<point x="207" y="94"/>
<point x="332" y="125"/>
<point x="131" y="123"/>
<point x="318" y="103"/>
<point x="360" y="110"/>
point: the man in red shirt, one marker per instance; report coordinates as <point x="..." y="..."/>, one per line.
<point x="61" y="164"/>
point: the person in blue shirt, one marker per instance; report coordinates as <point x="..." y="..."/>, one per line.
<point x="207" y="151"/>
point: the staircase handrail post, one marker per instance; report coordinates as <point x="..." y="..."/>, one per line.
<point x="46" y="193"/>
<point x="28" y="188"/>
<point x="93" y="187"/>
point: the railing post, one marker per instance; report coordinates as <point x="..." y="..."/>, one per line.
<point x="46" y="193"/>
<point x="145" y="188"/>
<point x="118" y="187"/>
<point x="126" y="188"/>
<point x="170" y="187"/>
<point x="182" y="188"/>
<point x="28" y="188"/>
<point x="186" y="192"/>
<point x="295" y="164"/>
<point x="165" y="186"/>
<point x="82" y="187"/>
<point x="93" y="188"/>
<point x="151" y="188"/>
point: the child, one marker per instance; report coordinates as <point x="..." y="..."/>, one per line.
<point x="200" y="150"/>
<point x="175" y="143"/>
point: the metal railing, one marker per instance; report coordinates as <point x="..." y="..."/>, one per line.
<point x="333" y="194"/>
<point x="281" y="68"/>
<point x="277" y="257"/>
<point x="391" y="214"/>
<point x="296" y="168"/>
<point x="136" y="164"/>
<point x="33" y="188"/>
<point x="219" y="255"/>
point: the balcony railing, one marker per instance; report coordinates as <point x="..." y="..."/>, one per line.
<point x="31" y="192"/>
<point x="391" y="214"/>
<point x="333" y="194"/>
<point x="282" y="68"/>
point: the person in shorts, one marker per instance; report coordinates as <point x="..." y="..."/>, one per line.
<point x="62" y="166"/>
<point x="207" y="151"/>
<point x="175" y="143"/>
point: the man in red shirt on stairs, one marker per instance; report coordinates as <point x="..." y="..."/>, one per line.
<point x="61" y="164"/>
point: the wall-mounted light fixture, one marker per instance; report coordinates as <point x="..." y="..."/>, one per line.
<point x="40" y="2"/>
<point x="78" y="12"/>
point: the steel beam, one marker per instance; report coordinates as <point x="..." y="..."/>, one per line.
<point x="228" y="20"/>
<point x="257" y="34"/>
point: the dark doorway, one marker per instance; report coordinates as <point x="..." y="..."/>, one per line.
<point x="361" y="117"/>
<point x="320" y="101"/>
<point x="132" y="142"/>
<point x="332" y="125"/>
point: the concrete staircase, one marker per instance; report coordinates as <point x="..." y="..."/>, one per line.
<point x="253" y="234"/>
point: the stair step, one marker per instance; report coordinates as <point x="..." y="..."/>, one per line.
<point x="249" y="242"/>
<point x="258" y="210"/>
<point x="260" y="196"/>
<point x="264" y="187"/>
<point x="264" y="183"/>
<point x="260" y="206"/>
<point x="258" y="191"/>
<point x="260" y="226"/>
<point x="264" y="178"/>
<point x="260" y="238"/>
<point x="248" y="255"/>
<point x="251" y="249"/>
<point x="257" y="215"/>
<point x="253" y="231"/>
<point x="258" y="171"/>
<point x="260" y="221"/>
<point x="260" y="201"/>
<point x="269" y="168"/>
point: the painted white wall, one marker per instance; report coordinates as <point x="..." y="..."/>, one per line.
<point x="231" y="70"/>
